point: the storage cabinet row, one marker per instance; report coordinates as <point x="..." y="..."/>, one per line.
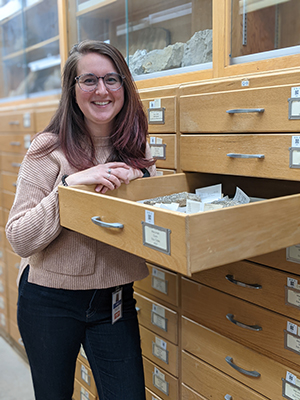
<point x="212" y="326"/>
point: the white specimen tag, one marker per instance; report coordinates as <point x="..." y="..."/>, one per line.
<point x="116" y="305"/>
<point x="295" y="92"/>
<point x="295" y="141"/>
<point x="85" y="375"/>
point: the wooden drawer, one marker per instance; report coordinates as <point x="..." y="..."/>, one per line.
<point x="168" y="103"/>
<point x="161" y="171"/>
<point x="248" y="324"/>
<point x="212" y="383"/>
<point x="84" y="376"/>
<point x="211" y="153"/>
<point x="9" y="182"/>
<point x="43" y="116"/>
<point x="214" y="111"/>
<point x="164" y="150"/>
<point x="15" y="143"/>
<point x="263" y="286"/>
<point x="160" y="283"/>
<point x="13" y="266"/>
<point x="160" y="382"/>
<point x="17" y="122"/>
<point x="15" y="334"/>
<point x="158" y="318"/>
<point x="12" y="308"/>
<point x="189" y="394"/>
<point x="82" y="356"/>
<point x="214" y="348"/>
<point x="2" y="237"/>
<point x="196" y="241"/>
<point x="158" y="350"/>
<point x="8" y="199"/>
<point x="151" y="396"/>
<point x="81" y="393"/>
<point x="11" y="162"/>
<point x="278" y="259"/>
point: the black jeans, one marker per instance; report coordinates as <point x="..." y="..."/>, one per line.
<point x="54" y="322"/>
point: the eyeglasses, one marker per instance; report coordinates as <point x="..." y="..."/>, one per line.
<point x="89" y="82"/>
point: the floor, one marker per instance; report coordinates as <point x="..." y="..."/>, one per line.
<point x="15" y="380"/>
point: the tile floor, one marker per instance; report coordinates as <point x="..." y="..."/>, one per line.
<point x="15" y="380"/>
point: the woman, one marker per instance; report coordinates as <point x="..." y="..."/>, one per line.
<point x="67" y="281"/>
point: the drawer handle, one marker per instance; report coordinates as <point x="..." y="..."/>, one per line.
<point x="137" y="309"/>
<point x="239" y="155"/>
<point x="14" y="122"/>
<point x="227" y="397"/>
<point x="245" y="110"/>
<point x="256" y="328"/>
<point x="15" y="143"/>
<point x="97" y="221"/>
<point x="231" y="279"/>
<point x="253" y="374"/>
<point x="14" y="164"/>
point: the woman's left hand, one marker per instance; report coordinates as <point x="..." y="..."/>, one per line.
<point x="125" y="175"/>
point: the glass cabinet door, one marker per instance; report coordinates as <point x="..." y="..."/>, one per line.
<point x="30" y="57"/>
<point x="262" y="29"/>
<point x="156" y="38"/>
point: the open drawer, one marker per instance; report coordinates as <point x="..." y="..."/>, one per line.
<point x="187" y="243"/>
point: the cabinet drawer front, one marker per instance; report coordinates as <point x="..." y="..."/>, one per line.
<point x="151" y="396"/>
<point x="8" y="199"/>
<point x="2" y="237"/>
<point x="165" y="152"/>
<point x="84" y="375"/>
<point x="17" y="122"/>
<point x="80" y="392"/>
<point x="169" y="124"/>
<point x="11" y="162"/>
<point x="197" y="241"/>
<point x="9" y="182"/>
<point x="278" y="259"/>
<point x="263" y="286"/>
<point x="159" y="319"/>
<point x="161" y="284"/>
<point x="159" y="351"/>
<point x="15" y="143"/>
<point x="211" y="153"/>
<point x="189" y="394"/>
<point x="200" y="113"/>
<point x="15" y="334"/>
<point x="212" y="383"/>
<point x="251" y="325"/>
<point x="213" y="348"/>
<point x="160" y="382"/>
<point x="43" y="117"/>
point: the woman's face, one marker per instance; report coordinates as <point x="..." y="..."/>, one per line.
<point x="100" y="106"/>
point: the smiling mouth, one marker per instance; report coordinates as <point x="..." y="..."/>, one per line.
<point x="101" y="103"/>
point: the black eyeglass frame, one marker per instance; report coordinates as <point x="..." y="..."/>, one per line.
<point x="101" y="77"/>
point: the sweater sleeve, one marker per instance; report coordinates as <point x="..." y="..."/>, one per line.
<point x="34" y="221"/>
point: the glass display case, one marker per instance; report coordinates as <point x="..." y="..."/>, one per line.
<point x="262" y="29"/>
<point x="30" y="55"/>
<point x="156" y="38"/>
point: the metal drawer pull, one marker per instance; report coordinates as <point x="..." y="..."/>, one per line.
<point x="256" y="328"/>
<point x="14" y="184"/>
<point x="231" y="279"/>
<point x="239" y="155"/>
<point x="15" y="164"/>
<point x="14" y="122"/>
<point x="137" y="309"/>
<point x="15" y="143"/>
<point x="245" y="110"/>
<point x="253" y="374"/>
<point x="227" y="397"/>
<point x="97" y="221"/>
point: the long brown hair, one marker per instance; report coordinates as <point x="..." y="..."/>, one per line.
<point x="130" y="131"/>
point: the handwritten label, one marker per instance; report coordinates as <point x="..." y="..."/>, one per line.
<point x="156" y="237"/>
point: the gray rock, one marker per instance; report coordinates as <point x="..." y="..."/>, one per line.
<point x="198" y="49"/>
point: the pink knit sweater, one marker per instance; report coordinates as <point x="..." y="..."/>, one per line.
<point x="58" y="257"/>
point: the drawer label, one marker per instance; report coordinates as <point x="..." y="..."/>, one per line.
<point x="158" y="317"/>
<point x="156" y="116"/>
<point x="292" y="342"/>
<point x="84" y="395"/>
<point x="290" y="391"/>
<point x="85" y="375"/>
<point x="292" y="297"/>
<point x="160" y="285"/>
<point x="156" y="237"/>
<point x="160" y="352"/>
<point x="159" y="382"/>
<point x="158" y="151"/>
<point x="293" y="253"/>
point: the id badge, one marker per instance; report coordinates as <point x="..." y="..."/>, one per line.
<point x="116" y="305"/>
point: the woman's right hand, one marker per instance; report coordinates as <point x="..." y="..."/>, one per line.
<point x="106" y="177"/>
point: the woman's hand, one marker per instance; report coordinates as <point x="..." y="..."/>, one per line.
<point x="106" y="177"/>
